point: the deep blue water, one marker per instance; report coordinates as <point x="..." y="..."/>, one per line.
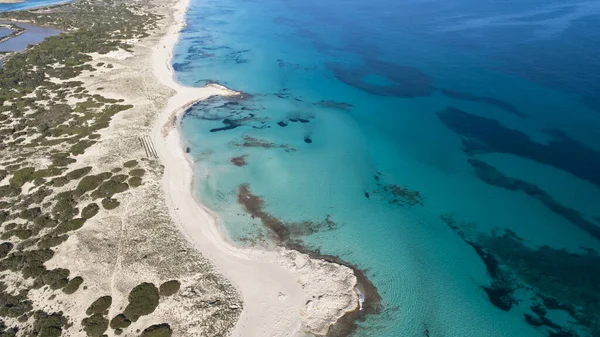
<point x="29" y="4"/>
<point x="489" y="110"/>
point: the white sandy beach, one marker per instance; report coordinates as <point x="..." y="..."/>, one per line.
<point x="276" y="286"/>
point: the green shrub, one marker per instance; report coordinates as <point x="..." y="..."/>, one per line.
<point x="109" y="188"/>
<point x="48" y="325"/>
<point x="73" y="285"/>
<point x="5" y="248"/>
<point x="55" y="278"/>
<point x="131" y="163"/>
<point x="79" y="147"/>
<point x="110" y="203"/>
<point x="137" y="172"/>
<point x="26" y="261"/>
<point x="45" y="173"/>
<point x="44" y="221"/>
<point x="95" y="325"/>
<point x="23" y="234"/>
<point x="105" y="175"/>
<point x="62" y="159"/>
<point x="40" y="194"/>
<point x="143" y="300"/>
<point x="59" y="181"/>
<point x="169" y="288"/>
<point x="13" y="305"/>
<point x="10" y="226"/>
<point x="68" y="226"/>
<point x="89" y="183"/>
<point x="3" y="216"/>
<point x="90" y="211"/>
<point x="20" y="177"/>
<point x="49" y="241"/>
<point x="9" y="191"/>
<point x="64" y="209"/>
<point x="30" y="213"/>
<point x="119" y="322"/>
<point x="120" y="178"/>
<point x="99" y="306"/>
<point x="78" y="173"/>
<point x="135" y="181"/>
<point x="39" y="181"/>
<point x="157" y="330"/>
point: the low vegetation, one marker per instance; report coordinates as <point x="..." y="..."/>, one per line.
<point x="169" y="288"/>
<point x="47" y="119"/>
<point x="143" y="300"/>
<point x="158" y="330"/>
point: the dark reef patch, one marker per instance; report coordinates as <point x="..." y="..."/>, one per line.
<point x="335" y="105"/>
<point x="501" y="297"/>
<point x="239" y="161"/>
<point x="285" y="235"/>
<point x="500" y="292"/>
<point x="233" y="112"/>
<point x="407" y="82"/>
<point x="484" y="135"/>
<point x="249" y="141"/>
<point x="254" y="205"/>
<point x="282" y="124"/>
<point x="482" y="99"/>
<point x="394" y="194"/>
<point x="404" y="196"/>
<point x="225" y="128"/>
<point x="560" y="279"/>
<point x="490" y="175"/>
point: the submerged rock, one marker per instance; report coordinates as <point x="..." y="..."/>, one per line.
<point x="239" y="161"/>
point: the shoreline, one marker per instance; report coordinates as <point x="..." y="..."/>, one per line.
<point x="15" y="31"/>
<point x="275" y="302"/>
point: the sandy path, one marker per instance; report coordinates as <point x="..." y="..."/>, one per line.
<point x="273" y="299"/>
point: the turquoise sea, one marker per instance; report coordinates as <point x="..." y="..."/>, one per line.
<point x="450" y="149"/>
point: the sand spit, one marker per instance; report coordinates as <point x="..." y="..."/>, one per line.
<point x="285" y="292"/>
<point x="15" y="30"/>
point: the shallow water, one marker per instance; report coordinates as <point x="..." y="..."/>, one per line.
<point x="33" y="34"/>
<point x="485" y="108"/>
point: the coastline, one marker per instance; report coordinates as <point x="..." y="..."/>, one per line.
<point x="276" y="286"/>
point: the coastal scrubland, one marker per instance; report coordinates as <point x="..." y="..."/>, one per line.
<point x="87" y="245"/>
